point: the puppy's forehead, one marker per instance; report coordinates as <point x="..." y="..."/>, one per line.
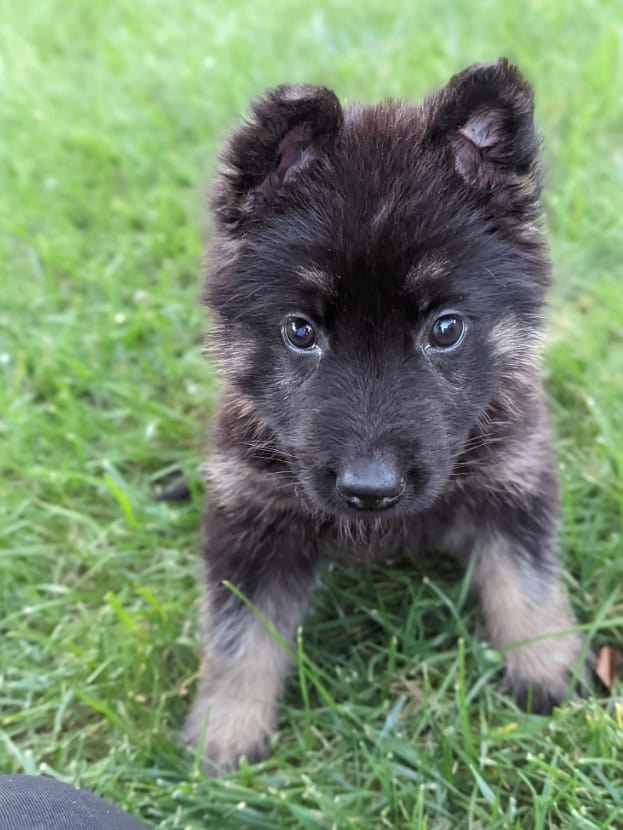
<point x="415" y="288"/>
<point x="428" y="267"/>
<point x="394" y="127"/>
<point x="385" y="228"/>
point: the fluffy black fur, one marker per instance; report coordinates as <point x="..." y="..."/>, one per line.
<point x="371" y="222"/>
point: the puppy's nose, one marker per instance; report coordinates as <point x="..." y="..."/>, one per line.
<point x="370" y="483"/>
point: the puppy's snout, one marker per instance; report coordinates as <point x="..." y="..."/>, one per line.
<point x="373" y="483"/>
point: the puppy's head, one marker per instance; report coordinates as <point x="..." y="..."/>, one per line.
<point x="377" y="280"/>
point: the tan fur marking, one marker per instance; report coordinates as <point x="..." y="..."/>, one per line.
<point x="513" y="344"/>
<point x="232" y="479"/>
<point x="236" y="703"/>
<point x="238" y="404"/>
<point x="429" y="267"/>
<point x="316" y="277"/>
<point x="230" y="351"/>
<point x="520" y="467"/>
<point x="519" y="604"/>
<point x="517" y="463"/>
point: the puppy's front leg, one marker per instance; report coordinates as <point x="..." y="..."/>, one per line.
<point x="270" y="558"/>
<point x="518" y="579"/>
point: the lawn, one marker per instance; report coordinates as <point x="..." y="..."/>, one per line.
<point x="111" y="115"/>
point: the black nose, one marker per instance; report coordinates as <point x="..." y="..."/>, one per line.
<point x="370" y="483"/>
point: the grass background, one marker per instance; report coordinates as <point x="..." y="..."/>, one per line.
<point x="111" y="114"/>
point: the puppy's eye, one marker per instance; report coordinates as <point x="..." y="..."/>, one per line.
<point x="447" y="331"/>
<point x="299" y="333"/>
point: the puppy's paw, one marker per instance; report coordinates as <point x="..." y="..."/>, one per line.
<point x="544" y="674"/>
<point x="228" y="731"/>
<point x="537" y="698"/>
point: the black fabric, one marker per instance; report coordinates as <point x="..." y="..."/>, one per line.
<point x="29" y="802"/>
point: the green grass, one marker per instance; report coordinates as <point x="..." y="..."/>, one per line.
<point x="111" y="114"/>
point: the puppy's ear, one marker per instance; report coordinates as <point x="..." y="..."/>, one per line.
<point x="287" y="129"/>
<point x="486" y="116"/>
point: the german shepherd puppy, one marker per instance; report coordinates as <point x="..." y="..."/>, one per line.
<point x="376" y="282"/>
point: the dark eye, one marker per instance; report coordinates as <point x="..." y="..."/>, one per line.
<point x="299" y="333"/>
<point x="447" y="331"/>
